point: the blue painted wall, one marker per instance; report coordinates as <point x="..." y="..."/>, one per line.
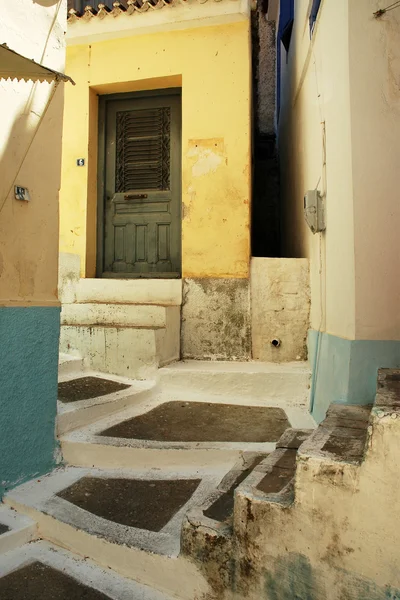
<point x="28" y="392"/>
<point x="345" y="371"/>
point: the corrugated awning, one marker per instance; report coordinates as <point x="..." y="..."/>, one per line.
<point x="16" y="66"/>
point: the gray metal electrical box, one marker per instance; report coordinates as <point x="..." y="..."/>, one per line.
<point x="314" y="211"/>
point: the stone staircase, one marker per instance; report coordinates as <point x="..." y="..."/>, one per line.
<point x="163" y="495"/>
<point x="121" y="327"/>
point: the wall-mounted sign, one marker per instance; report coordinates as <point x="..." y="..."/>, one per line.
<point x="22" y="193"/>
<point x="80" y="162"/>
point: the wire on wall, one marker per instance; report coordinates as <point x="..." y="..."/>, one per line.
<point x="382" y="11"/>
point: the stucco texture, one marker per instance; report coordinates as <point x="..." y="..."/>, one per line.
<point x="216" y="321"/>
<point x="212" y="65"/>
<point x="339" y="131"/>
<point x="28" y="392"/>
<point x="30" y="156"/>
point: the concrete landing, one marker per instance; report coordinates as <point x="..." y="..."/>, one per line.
<point x="41" y="571"/>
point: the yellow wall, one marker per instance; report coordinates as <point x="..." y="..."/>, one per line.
<point x="212" y="64"/>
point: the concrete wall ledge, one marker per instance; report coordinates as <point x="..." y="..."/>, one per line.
<point x="114" y="315"/>
<point x="165" y="292"/>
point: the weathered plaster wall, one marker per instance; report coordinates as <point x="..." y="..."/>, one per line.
<point x="280" y="308"/>
<point x="30" y="155"/>
<point x="212" y="64"/>
<point x="266" y="74"/>
<point x="339" y="540"/>
<point x="339" y="130"/>
<point x="216" y="319"/>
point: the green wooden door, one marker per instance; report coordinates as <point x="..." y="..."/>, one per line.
<point x="142" y="187"/>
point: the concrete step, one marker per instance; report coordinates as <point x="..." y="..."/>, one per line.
<point x="273" y="479"/>
<point x="15" y="530"/>
<point x="69" y="365"/>
<point x="126" y="520"/>
<point x="43" y="570"/>
<point x="160" y="432"/>
<point x="92" y="396"/>
<point x="268" y="383"/>
<point x="165" y="292"/>
<point x="207" y="531"/>
<point x="129" y="351"/>
<point x="341" y="437"/>
<point x="116" y="315"/>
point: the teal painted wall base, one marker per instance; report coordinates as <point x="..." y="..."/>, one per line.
<point x="345" y="371"/>
<point x="28" y="392"/>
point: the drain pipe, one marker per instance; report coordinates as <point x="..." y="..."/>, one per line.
<point x="315" y="372"/>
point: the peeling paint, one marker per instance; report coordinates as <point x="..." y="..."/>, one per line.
<point x="206" y="154"/>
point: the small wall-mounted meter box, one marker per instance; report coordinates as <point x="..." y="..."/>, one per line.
<point x="314" y="211"/>
<point x="22" y="193"/>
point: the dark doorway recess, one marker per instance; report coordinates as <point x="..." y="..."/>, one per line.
<point x="265" y="229"/>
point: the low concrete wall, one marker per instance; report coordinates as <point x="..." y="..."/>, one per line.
<point x="216" y="319"/>
<point x="280" y="308"/>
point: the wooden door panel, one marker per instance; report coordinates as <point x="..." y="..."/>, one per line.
<point x="142" y="217"/>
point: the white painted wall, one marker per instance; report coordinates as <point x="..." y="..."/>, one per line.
<point x="30" y="155"/>
<point x="340" y="106"/>
<point x="374" y="54"/>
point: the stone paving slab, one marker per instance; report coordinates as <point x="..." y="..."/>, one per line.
<point x="84" y="388"/>
<point x="49" y="496"/>
<point x="204" y="422"/>
<point x="137" y="503"/>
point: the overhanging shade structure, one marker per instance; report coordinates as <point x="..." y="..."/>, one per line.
<point x="16" y="66"/>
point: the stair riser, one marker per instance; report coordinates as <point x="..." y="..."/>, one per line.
<point x="269" y="389"/>
<point x="116" y="315"/>
<point x="99" y="456"/>
<point x="122" y="351"/>
<point x="74" y="366"/>
<point x="15" y="539"/>
<point x="74" y="419"/>
<point x="175" y="576"/>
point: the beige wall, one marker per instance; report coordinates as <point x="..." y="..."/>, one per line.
<point x="30" y="155"/>
<point x="315" y="100"/>
<point x="340" y="104"/>
<point x="374" y="53"/>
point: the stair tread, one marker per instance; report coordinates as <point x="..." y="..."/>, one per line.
<point x="138" y="508"/>
<point x="342" y="436"/>
<point x="43" y="570"/>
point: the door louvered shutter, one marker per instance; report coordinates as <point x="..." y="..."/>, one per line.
<point x="143" y="150"/>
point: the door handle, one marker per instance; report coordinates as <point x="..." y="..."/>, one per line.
<point x="135" y="196"/>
